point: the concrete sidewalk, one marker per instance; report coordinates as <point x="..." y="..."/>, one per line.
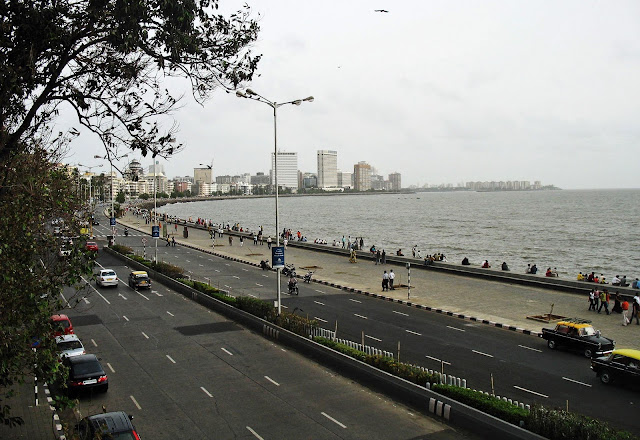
<point x="499" y="302"/>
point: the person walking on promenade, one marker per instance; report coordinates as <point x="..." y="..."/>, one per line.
<point x="173" y="241"/>
<point x="241" y="240"/>
<point x="592" y="300"/>
<point x="383" y="257"/>
<point x="377" y="257"/>
<point x="255" y="240"/>
<point x="385" y="281"/>
<point x="168" y="242"/>
<point x="636" y="310"/>
<point x="343" y="242"/>
<point x="230" y="240"/>
<point x="392" y="276"/>
<point x="617" y="305"/>
<point x="604" y="301"/>
<point x="269" y="242"/>
<point x="362" y="244"/>
<point x="285" y="242"/>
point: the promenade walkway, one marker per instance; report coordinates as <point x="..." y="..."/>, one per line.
<point x="497" y="301"/>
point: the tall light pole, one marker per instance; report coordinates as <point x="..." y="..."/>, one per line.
<point x="250" y="94"/>
<point x="112" y="216"/>
<point x="90" y="178"/>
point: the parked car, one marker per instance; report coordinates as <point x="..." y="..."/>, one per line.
<point x="95" y="222"/>
<point x="621" y="364"/>
<point x="69" y="345"/>
<point x="92" y="246"/>
<point x="139" y="278"/>
<point x="85" y="372"/>
<point x="111" y="425"/>
<point x="62" y="325"/>
<point x="107" y="277"/>
<point x="578" y="335"/>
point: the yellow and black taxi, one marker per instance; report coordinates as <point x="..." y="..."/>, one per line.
<point x="622" y="365"/>
<point x="578" y="335"/>
<point x="139" y="279"/>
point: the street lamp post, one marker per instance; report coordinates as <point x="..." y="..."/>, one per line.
<point x="111" y="159"/>
<point x="90" y="178"/>
<point x="250" y="94"/>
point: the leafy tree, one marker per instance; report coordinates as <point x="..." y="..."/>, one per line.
<point x="120" y="197"/>
<point x="33" y="194"/>
<point x="162" y="195"/>
<point x="144" y="196"/>
<point x="106" y="59"/>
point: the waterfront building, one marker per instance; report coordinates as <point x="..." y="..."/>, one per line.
<point x="345" y="180"/>
<point x="327" y="169"/>
<point x="287" y="169"/>
<point x="223" y="179"/>
<point x="260" y="179"/>
<point x="310" y="180"/>
<point x="362" y="176"/>
<point x="181" y="185"/>
<point x="395" y="180"/>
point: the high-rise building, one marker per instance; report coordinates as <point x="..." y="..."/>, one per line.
<point x="362" y="176"/>
<point x="327" y="169"/>
<point x="345" y="180"/>
<point x="395" y="180"/>
<point x="287" y="169"/>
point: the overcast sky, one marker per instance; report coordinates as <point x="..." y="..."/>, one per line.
<point x="441" y="91"/>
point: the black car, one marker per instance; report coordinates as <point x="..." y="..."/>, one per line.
<point x="139" y="278"/>
<point x="112" y="425"/>
<point x="580" y="336"/>
<point x="621" y="364"/>
<point x="85" y="372"/>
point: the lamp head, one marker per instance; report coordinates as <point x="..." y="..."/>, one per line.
<point x="239" y="94"/>
<point x="296" y="102"/>
<point x="251" y="92"/>
<point x="308" y="99"/>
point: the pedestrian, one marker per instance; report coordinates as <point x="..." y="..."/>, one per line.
<point x="604" y="301"/>
<point x="636" y="310"/>
<point x="392" y="276"/>
<point x="385" y="281"/>
<point x="383" y="257"/>
<point x="241" y="240"/>
<point x="230" y="240"/>
<point x="361" y="243"/>
<point x="255" y="240"/>
<point x="269" y="242"/>
<point x="173" y="241"/>
<point x="175" y="227"/>
<point x="617" y="304"/>
<point x="285" y="242"/>
<point x="625" y="313"/>
<point x="377" y="257"/>
<point x="343" y="242"/>
<point x="592" y="300"/>
<point x="168" y="242"/>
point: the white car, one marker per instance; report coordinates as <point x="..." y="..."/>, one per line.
<point x="107" y="277"/>
<point x="69" y="345"/>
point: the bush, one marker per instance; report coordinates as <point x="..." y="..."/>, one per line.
<point x="485" y="403"/>
<point x="208" y="290"/>
<point x="296" y="323"/>
<point x="167" y="269"/>
<point x="256" y="307"/>
<point x="124" y="250"/>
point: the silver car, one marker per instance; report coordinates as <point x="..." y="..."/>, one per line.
<point x="69" y="345"/>
<point x="107" y="277"/>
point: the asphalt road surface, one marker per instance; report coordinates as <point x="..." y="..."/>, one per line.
<point x="521" y="366"/>
<point x="185" y="372"/>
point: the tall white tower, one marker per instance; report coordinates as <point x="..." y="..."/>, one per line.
<point x="287" y="169"/>
<point x="327" y="169"/>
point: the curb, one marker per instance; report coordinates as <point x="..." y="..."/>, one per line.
<point x="375" y="295"/>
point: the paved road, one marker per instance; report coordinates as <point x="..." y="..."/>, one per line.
<point x="522" y="367"/>
<point x="186" y="372"/>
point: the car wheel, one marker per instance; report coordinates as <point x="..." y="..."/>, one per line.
<point x="552" y="344"/>
<point x="605" y="377"/>
<point x="588" y="353"/>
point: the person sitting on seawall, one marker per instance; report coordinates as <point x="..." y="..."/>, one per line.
<point x="635" y="284"/>
<point x="590" y="277"/>
<point x="548" y="273"/>
<point x="504" y="266"/>
<point x="615" y="281"/>
<point x="555" y="272"/>
<point x="596" y="279"/>
<point x="602" y="280"/>
<point x="465" y="262"/>
<point x="534" y="269"/>
<point x="580" y="277"/>
<point x="399" y="253"/>
<point x="623" y="281"/>
<point x="485" y="264"/>
<point x="528" y="269"/>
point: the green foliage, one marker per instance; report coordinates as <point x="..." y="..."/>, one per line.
<point x="122" y="249"/>
<point x="167" y="269"/>
<point x="144" y="196"/>
<point x="120" y="198"/>
<point x="295" y="323"/>
<point x="485" y="403"/>
<point x="256" y="307"/>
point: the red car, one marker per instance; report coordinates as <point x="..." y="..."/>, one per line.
<point x="92" y="246"/>
<point x="62" y="325"/>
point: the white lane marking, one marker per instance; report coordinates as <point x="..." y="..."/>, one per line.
<point x="145" y="335"/>
<point x="227" y="264"/>
<point x="176" y="256"/>
<point x="217" y="270"/>
<point x="438" y="360"/>
<point x="171" y="314"/>
<point x="372" y="337"/>
<point x="188" y="261"/>
<point x="86" y="300"/>
<point x="123" y="297"/>
<point x="228" y="287"/>
<point x="284" y="307"/>
<point x="413" y="333"/>
<point x="96" y="290"/>
<point x="333" y="420"/>
<point x="94" y="343"/>
<point x="483" y="354"/>
<point x="206" y="392"/>
<point x="320" y="291"/>
<point x="201" y="265"/>
<point x="254" y="433"/>
<point x="530" y="348"/>
<point x="210" y="259"/>
<point x="171" y="359"/>
<point x="360" y="316"/>
<point x="354" y="300"/>
<point x="65" y="300"/>
<point x="142" y="295"/>
<point x="455" y="328"/>
<point x="272" y="381"/>
<point x="260" y="285"/>
<point x="529" y="391"/>
<point x="576" y="381"/>
<point x="400" y="313"/>
<point x="125" y="318"/>
<point x="135" y="402"/>
<point x="319" y="319"/>
<point x="246" y="270"/>
<point x="236" y="277"/>
<point x="110" y="367"/>
<point x="227" y="351"/>
<point x="266" y="276"/>
<point x="156" y="292"/>
<point x="318" y="302"/>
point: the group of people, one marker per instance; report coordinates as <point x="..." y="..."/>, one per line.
<point x="615" y="281"/>
<point x="600" y="299"/>
<point x="387" y="280"/>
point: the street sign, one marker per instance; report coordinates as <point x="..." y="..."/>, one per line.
<point x="277" y="257"/>
<point x="155" y="231"/>
<point x="112" y="221"/>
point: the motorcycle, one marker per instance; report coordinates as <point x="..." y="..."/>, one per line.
<point x="264" y="264"/>
<point x="288" y="270"/>
<point x="293" y="286"/>
<point x="307" y="277"/>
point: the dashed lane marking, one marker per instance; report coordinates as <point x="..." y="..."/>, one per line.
<point x="438" y="360"/>
<point x="481" y="353"/>
<point x="413" y="333"/>
<point x="156" y="292"/>
<point x="319" y="319"/>
<point x="236" y="277"/>
<point x="227" y="351"/>
<point x="125" y="318"/>
<point x="145" y="335"/>
<point x="272" y="381"/>
<point x="260" y="285"/>
<point x="86" y="300"/>
<point x="94" y="343"/>
<point x="170" y="314"/>
<point x="372" y="337"/>
<point x="529" y="391"/>
<point x="400" y="313"/>
<point x="318" y="302"/>
<point x="254" y="433"/>
<point x="455" y="328"/>
<point x="333" y="420"/>
<point x="171" y="359"/>
<point x="135" y="402"/>
<point x="110" y="367"/>
<point x="354" y="300"/>
<point x="206" y="392"/>
<point x="320" y="291"/>
<point x="360" y="316"/>
<point x="123" y="297"/>
<point x="576" y="381"/>
<point x="530" y="348"/>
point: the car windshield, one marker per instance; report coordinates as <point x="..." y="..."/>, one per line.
<point x="62" y="324"/>
<point x="82" y="368"/>
<point x="142" y="276"/>
<point x="69" y="345"/>
<point x="108" y="273"/>
<point x="587" y="331"/>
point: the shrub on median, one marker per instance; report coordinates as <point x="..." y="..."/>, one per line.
<point x="167" y="269"/>
<point x="124" y="250"/>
